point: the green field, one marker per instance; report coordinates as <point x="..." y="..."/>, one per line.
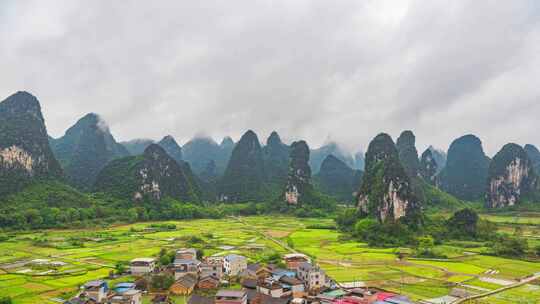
<point x="92" y="253"/>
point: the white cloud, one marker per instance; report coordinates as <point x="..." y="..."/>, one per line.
<point x="345" y="70"/>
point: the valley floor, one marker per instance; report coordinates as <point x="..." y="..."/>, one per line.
<point x="89" y="254"/>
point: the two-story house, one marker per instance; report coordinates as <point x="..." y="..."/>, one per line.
<point x="96" y="290"/>
<point x="131" y="296"/>
<point x="234" y="264"/>
<point x="183" y="267"/>
<point x="231" y="297"/>
<point x="211" y="267"/>
<point x="142" y="266"/>
<point x="293" y="260"/>
<point x="312" y="275"/>
<point x="186" y="254"/>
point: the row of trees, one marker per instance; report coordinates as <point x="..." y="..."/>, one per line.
<point x="110" y="211"/>
<point x="464" y="225"/>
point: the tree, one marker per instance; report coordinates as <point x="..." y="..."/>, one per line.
<point x="537" y="250"/>
<point x="33" y="218"/>
<point x="486" y="230"/>
<point x="425" y="246"/>
<point x="363" y="226"/>
<point x="200" y="253"/>
<point x="120" y="267"/>
<point x="346" y="219"/>
<point x="5" y="300"/>
<point x="510" y="247"/>
<point x="463" y="224"/>
<point x="162" y="281"/>
<point x="132" y="215"/>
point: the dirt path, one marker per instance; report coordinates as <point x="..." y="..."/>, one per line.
<point x="486" y="294"/>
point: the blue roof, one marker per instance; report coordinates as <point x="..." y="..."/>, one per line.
<point x="122" y="289"/>
<point x="398" y="300"/>
<point x="125" y="284"/>
<point x="288" y="273"/>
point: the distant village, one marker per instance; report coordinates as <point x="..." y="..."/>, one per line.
<point x="231" y="279"/>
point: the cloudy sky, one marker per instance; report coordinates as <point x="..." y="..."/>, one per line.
<point x="316" y="70"/>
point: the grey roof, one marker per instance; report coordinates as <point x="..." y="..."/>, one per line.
<point x="306" y="265"/>
<point x="197" y="299"/>
<point x="209" y="276"/>
<point x="188" y="280"/>
<point x="95" y="283"/>
<point x="231" y="293"/>
<point x="270" y="300"/>
<point x="249" y="283"/>
<point x="253" y="267"/>
<point x="290" y="281"/>
<point x="186" y="261"/>
<point x="76" y="301"/>
<point x="233" y="257"/>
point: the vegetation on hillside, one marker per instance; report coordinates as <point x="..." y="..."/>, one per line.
<point x="85" y="149"/>
<point x="244" y="178"/>
<point x="337" y="179"/>
<point x="386" y="191"/>
<point x="466" y="171"/>
<point x="25" y="154"/>
<point x="153" y="175"/>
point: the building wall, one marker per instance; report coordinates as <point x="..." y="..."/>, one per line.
<point x="180" y="290"/>
<point x="137" y="270"/>
<point x="235" y="267"/>
<point x="242" y="301"/>
<point x="211" y="270"/>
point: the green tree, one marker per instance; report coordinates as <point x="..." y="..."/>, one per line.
<point x="346" y="219"/>
<point x="510" y="247"/>
<point x="33" y="218"/>
<point x="5" y="300"/>
<point x="425" y="246"/>
<point x="162" y="281"/>
<point x="362" y="227"/>
<point x="463" y="224"/>
<point x="120" y="267"/>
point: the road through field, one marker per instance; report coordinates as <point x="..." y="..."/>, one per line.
<point x="486" y="294"/>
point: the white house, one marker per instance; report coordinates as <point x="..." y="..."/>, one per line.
<point x="141" y="266"/>
<point x="312" y="276"/>
<point x="234" y="264"/>
<point x="272" y="288"/>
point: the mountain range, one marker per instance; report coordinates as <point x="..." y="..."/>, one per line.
<point x="391" y="183"/>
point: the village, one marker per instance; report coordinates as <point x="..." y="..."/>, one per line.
<point x="231" y="279"/>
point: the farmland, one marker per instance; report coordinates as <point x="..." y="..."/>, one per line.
<point x="87" y="254"/>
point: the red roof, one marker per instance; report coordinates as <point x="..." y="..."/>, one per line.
<point x="348" y="300"/>
<point x="384" y="295"/>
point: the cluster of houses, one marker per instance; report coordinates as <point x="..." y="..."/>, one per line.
<point x="298" y="281"/>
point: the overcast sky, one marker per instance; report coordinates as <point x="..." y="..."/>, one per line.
<point x="315" y="70"/>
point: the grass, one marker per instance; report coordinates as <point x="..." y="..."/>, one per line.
<point x="526" y="294"/>
<point x="343" y="260"/>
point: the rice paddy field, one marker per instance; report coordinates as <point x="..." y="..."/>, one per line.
<point x="28" y="276"/>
